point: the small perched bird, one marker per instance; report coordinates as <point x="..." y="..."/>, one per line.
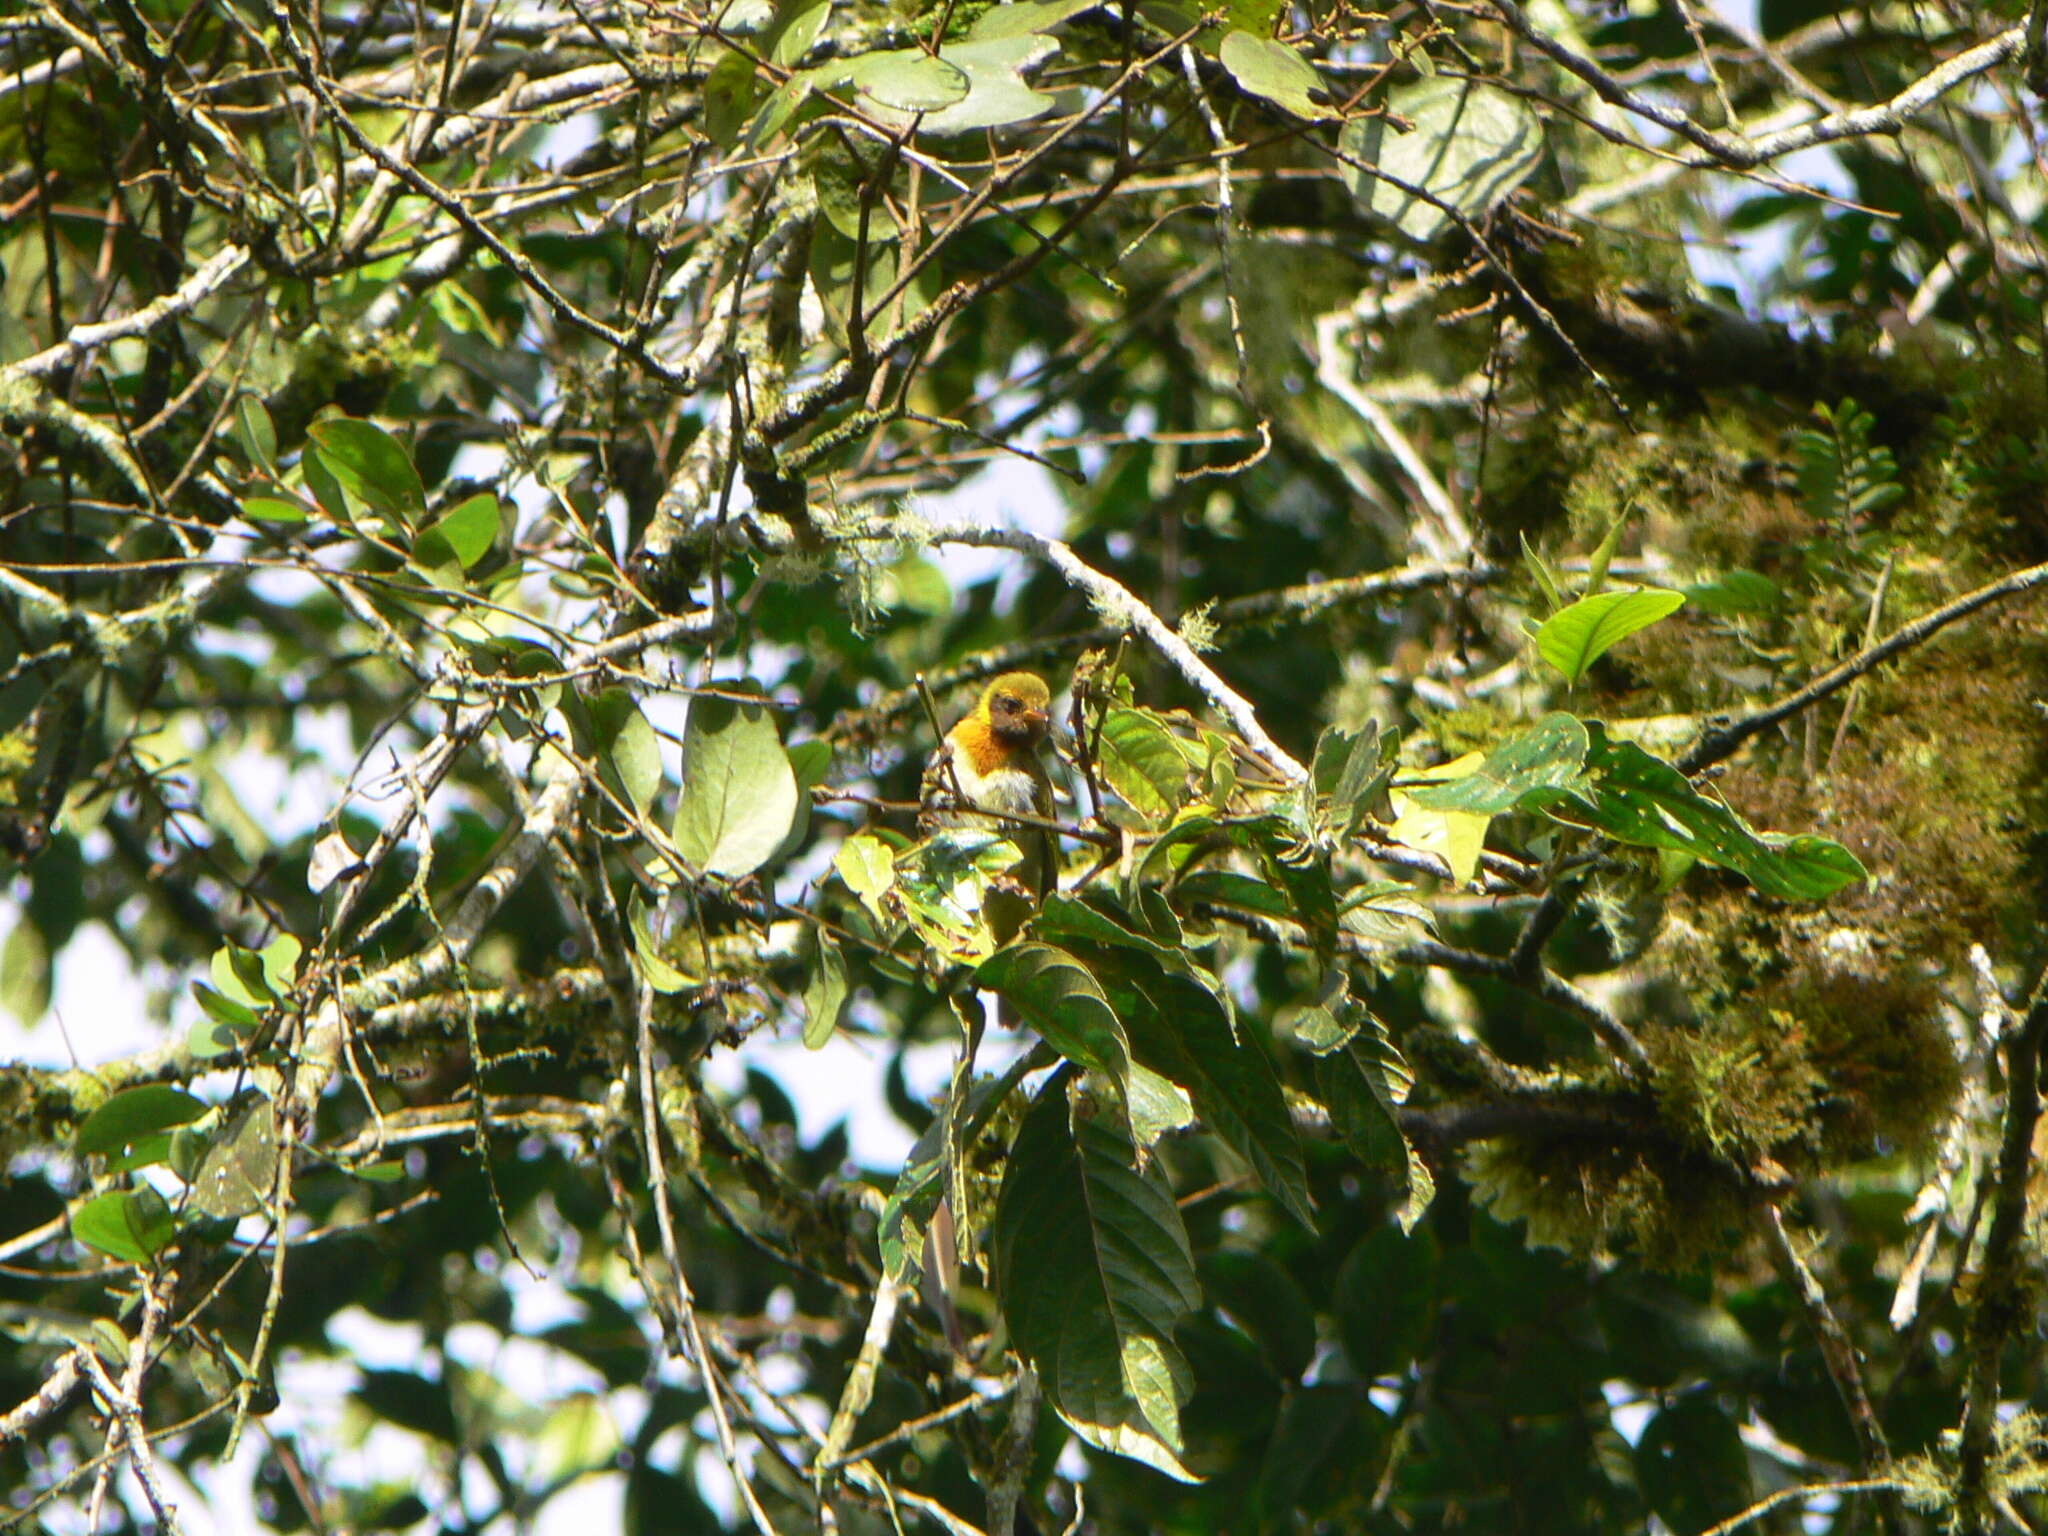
<point x="990" y="761"/>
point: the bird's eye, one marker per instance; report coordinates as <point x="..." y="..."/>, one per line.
<point x="1007" y="705"/>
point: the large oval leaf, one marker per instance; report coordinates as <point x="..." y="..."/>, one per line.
<point x="739" y="794"/>
<point x="1471" y="144"/>
<point x="133" y="1114"/>
<point x="1274" y="72"/>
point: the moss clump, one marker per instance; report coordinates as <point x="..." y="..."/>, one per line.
<point x="1939" y="789"/>
<point x="1808" y="1041"/>
<point x="1666" y="1208"/>
<point x="1741" y="1088"/>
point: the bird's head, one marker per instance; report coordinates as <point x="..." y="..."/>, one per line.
<point x="1015" y="707"/>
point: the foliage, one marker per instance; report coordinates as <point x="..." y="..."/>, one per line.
<point x="495" y="503"/>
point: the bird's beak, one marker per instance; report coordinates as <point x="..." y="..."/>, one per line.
<point x="1037" y="719"/>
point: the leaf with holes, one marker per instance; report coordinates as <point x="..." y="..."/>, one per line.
<point x="1547" y="756"/>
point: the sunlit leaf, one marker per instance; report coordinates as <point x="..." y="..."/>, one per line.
<point x="1573" y="639"/>
<point x="1276" y="72"/>
<point x="133" y="1225"/>
<point x="1549" y="755"/>
<point x="1636" y="798"/>
<point x="739" y="794"/>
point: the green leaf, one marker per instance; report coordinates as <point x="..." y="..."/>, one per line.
<point x="1546" y="579"/>
<point x="730" y="91"/>
<point x="1182" y="1030"/>
<point x="1581" y="634"/>
<point x="809" y="762"/>
<point x="1692" y="1466"/>
<point x="228" y="1025"/>
<point x="801" y="34"/>
<point x="777" y="111"/>
<point x="256" y="433"/>
<point x="1363" y="1085"/>
<point x="1022" y="18"/>
<point x="1471" y="145"/>
<point x="650" y="954"/>
<point x="1549" y="755"/>
<point x="868" y="867"/>
<point x="627" y="751"/>
<point x="1159" y="1106"/>
<point x="1604" y="552"/>
<point x="739" y="793"/>
<point x="25" y="973"/>
<point x="1369" y="764"/>
<point x="1735" y="593"/>
<point x="1094" y="1272"/>
<point x="464" y="536"/>
<point x="1056" y="995"/>
<point x="274" y="509"/>
<point x="1094" y="917"/>
<point x="944" y="885"/>
<point x="371" y="468"/>
<point x="1385" y="1300"/>
<point x="281" y="963"/>
<point x="239" y="1169"/>
<point x="825" y="992"/>
<point x="1640" y="799"/>
<point x="1275" y="72"/>
<point x="908" y="78"/>
<point x="134" y="1113"/>
<point x="997" y="96"/>
<point x="1227" y="888"/>
<point x="1263" y="1299"/>
<point x="1142" y="761"/>
<point x="133" y="1225"/>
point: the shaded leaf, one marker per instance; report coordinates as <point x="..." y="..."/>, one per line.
<point x="1735" y="593"/>
<point x="1057" y="996"/>
<point x="371" y="467"/>
<point x="1363" y="1085"/>
<point x="1093" y="1271"/>
<point x="239" y="1168"/>
<point x="134" y="1113"/>
<point x="825" y="991"/>
<point x="1470" y="146"/>
<point x="1183" y="1031"/>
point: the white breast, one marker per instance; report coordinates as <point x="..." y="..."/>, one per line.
<point x="1009" y="790"/>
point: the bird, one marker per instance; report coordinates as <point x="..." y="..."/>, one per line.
<point x="990" y="761"/>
